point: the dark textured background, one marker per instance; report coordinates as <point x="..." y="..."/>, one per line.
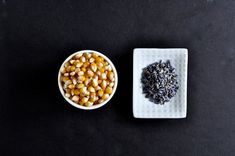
<point x="36" y="36"/>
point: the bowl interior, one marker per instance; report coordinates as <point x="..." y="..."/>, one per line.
<point x="94" y="106"/>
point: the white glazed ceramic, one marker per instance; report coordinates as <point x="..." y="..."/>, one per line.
<point x="177" y="106"/>
<point x="94" y="106"/>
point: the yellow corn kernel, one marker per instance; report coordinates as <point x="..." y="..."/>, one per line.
<point x="83" y="90"/>
<point x="99" y="59"/>
<point x="80" y="85"/>
<point x="103" y="84"/>
<point x="75" y="98"/>
<point x="68" y="69"/>
<point x="98" y="73"/>
<point x="91" y="89"/>
<point x="66" y="74"/>
<point x="86" y="64"/>
<point x="100" y="100"/>
<point x="72" y="68"/>
<point x="95" y="55"/>
<point x="91" y="60"/>
<point x="97" y="88"/>
<point x="93" y="99"/>
<point x="86" y="82"/>
<point x="71" y="86"/>
<point x="88" y="103"/>
<point x="81" y="78"/>
<point x="76" y="91"/>
<point x="68" y="82"/>
<point x="84" y="69"/>
<point x="77" y="70"/>
<point x="66" y="64"/>
<point x="79" y="64"/>
<point x="108" y="90"/>
<point x="77" y="56"/>
<point x="111" y="84"/>
<point x="103" y="76"/>
<point x="64" y="78"/>
<point x="83" y="59"/>
<point x="100" y="93"/>
<point x="105" y="96"/>
<point x="99" y="81"/>
<point x="100" y="65"/>
<point x="72" y="73"/>
<point x="110" y="75"/>
<point x="90" y="73"/>
<point x="88" y="55"/>
<point x="80" y="73"/>
<point x="72" y="61"/>
<point x="74" y="81"/>
<point x="93" y="67"/>
<point x="62" y="70"/>
<point x="94" y="82"/>
<point x="72" y="92"/>
<point x="67" y="95"/>
<point x="84" y="99"/>
<point x="102" y="70"/>
<point x="106" y="63"/>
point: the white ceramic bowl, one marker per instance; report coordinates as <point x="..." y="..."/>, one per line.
<point x="94" y="106"/>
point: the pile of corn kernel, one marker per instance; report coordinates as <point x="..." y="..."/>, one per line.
<point x="87" y="79"/>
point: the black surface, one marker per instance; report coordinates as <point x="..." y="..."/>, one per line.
<point x="36" y="36"/>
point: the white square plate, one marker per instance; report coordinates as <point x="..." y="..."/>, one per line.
<point x="177" y="106"/>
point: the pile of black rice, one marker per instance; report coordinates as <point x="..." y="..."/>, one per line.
<point x="159" y="82"/>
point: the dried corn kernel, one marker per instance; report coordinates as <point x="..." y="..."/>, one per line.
<point x="108" y="90"/>
<point x="77" y="56"/>
<point x="72" y="73"/>
<point x="91" y="89"/>
<point x="100" y="100"/>
<point x="66" y="74"/>
<point x="103" y="76"/>
<point x="72" y="68"/>
<point x="68" y="69"/>
<point x="103" y="84"/>
<point x="110" y="75"/>
<point x="94" y="67"/>
<point x="72" y="61"/>
<point x="84" y="99"/>
<point x="105" y="96"/>
<point x="87" y="81"/>
<point x="91" y="60"/>
<point x="87" y="55"/>
<point x="79" y="64"/>
<point x="67" y="95"/>
<point x="94" y="82"/>
<point x="71" y="86"/>
<point x="111" y="84"/>
<point x="80" y="73"/>
<point x="76" y="91"/>
<point x="83" y="59"/>
<point x="97" y="88"/>
<point x="90" y="73"/>
<point x="81" y="78"/>
<point x="100" y="93"/>
<point x="80" y="85"/>
<point x="95" y="55"/>
<point x="88" y="103"/>
<point x="63" y="70"/>
<point x="84" y="69"/>
<point x="75" y="98"/>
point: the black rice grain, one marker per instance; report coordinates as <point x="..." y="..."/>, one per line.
<point x="159" y="82"/>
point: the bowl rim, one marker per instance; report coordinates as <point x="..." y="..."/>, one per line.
<point x="94" y="106"/>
